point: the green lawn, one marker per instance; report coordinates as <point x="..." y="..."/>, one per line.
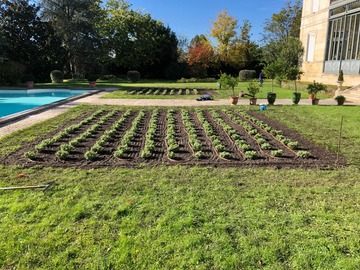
<point x="188" y="217"/>
<point x="222" y="93"/>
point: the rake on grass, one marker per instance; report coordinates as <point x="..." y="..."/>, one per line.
<point x="45" y="187"/>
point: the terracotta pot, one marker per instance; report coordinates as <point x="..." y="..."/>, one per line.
<point x="253" y="101"/>
<point x="311" y="96"/>
<point x="92" y="84"/>
<point x="29" y="84"/>
<point x="234" y="100"/>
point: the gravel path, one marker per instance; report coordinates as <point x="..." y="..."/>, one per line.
<point x="95" y="99"/>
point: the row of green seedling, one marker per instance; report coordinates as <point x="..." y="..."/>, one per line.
<point x="171" y="141"/>
<point x="213" y="136"/>
<point x="125" y="143"/>
<point x="254" y="132"/>
<point x="149" y="146"/>
<point x="107" y="136"/>
<point x="162" y="91"/>
<point x="44" y="144"/>
<point x="278" y="134"/>
<point x="240" y="143"/>
<point x="194" y="140"/>
<point x="66" y="148"/>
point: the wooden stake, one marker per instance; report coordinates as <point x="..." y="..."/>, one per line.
<point x="339" y="140"/>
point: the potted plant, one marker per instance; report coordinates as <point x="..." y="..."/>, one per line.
<point x="270" y="72"/>
<point x="340" y="80"/>
<point x="294" y="74"/>
<point x="227" y="81"/>
<point x="28" y="79"/>
<point x="253" y="88"/>
<point x="340" y="99"/>
<point x="271" y="97"/>
<point x="92" y="78"/>
<point x="313" y="89"/>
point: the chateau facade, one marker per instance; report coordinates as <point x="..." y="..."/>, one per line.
<point x="331" y="38"/>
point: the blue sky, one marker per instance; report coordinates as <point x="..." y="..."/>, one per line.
<point x="191" y="17"/>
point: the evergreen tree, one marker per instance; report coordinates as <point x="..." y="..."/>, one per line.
<point x="76" y="23"/>
<point x="21" y="29"/>
<point x="136" y="41"/>
<point x="28" y="40"/>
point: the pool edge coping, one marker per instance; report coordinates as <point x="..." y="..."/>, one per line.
<point x="23" y="114"/>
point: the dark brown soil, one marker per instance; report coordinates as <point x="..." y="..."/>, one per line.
<point x="319" y="157"/>
<point x="170" y="91"/>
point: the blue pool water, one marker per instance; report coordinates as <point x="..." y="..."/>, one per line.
<point x="14" y="101"/>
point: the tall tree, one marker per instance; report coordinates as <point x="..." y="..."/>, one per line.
<point x="199" y="39"/>
<point x="235" y="49"/>
<point x="224" y="31"/>
<point x="76" y="23"/>
<point x="200" y="56"/>
<point x="27" y="39"/>
<point x="21" y="29"/>
<point x="281" y="37"/>
<point x="284" y="24"/>
<point x="136" y="41"/>
<point x="2" y="48"/>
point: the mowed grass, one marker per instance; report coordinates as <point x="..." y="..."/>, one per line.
<point x="181" y="218"/>
<point x="220" y="93"/>
<point x="123" y="86"/>
<point x="187" y="217"/>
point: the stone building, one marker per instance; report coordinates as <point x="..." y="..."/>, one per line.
<point x="331" y="39"/>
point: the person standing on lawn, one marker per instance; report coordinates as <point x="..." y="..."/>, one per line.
<point x="261" y="78"/>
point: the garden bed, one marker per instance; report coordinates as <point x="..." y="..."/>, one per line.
<point x="166" y="91"/>
<point x="132" y="137"/>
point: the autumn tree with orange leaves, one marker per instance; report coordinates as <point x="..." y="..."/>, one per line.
<point x="200" y="56"/>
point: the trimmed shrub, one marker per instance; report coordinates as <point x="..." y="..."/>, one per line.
<point x="246" y="74"/>
<point x="108" y="77"/>
<point x="191" y="80"/>
<point x="133" y="75"/>
<point x="57" y="76"/>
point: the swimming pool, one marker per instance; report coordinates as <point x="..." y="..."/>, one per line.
<point x="16" y="101"/>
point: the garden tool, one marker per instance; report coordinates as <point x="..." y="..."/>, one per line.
<point x="45" y="187"/>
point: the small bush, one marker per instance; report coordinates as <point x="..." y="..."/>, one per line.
<point x="246" y="74"/>
<point x="108" y="77"/>
<point x="191" y="80"/>
<point x="57" y="76"/>
<point x="133" y="75"/>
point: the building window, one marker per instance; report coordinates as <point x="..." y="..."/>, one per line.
<point x="311" y="47"/>
<point x="343" y="39"/>
<point x="315" y="6"/>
